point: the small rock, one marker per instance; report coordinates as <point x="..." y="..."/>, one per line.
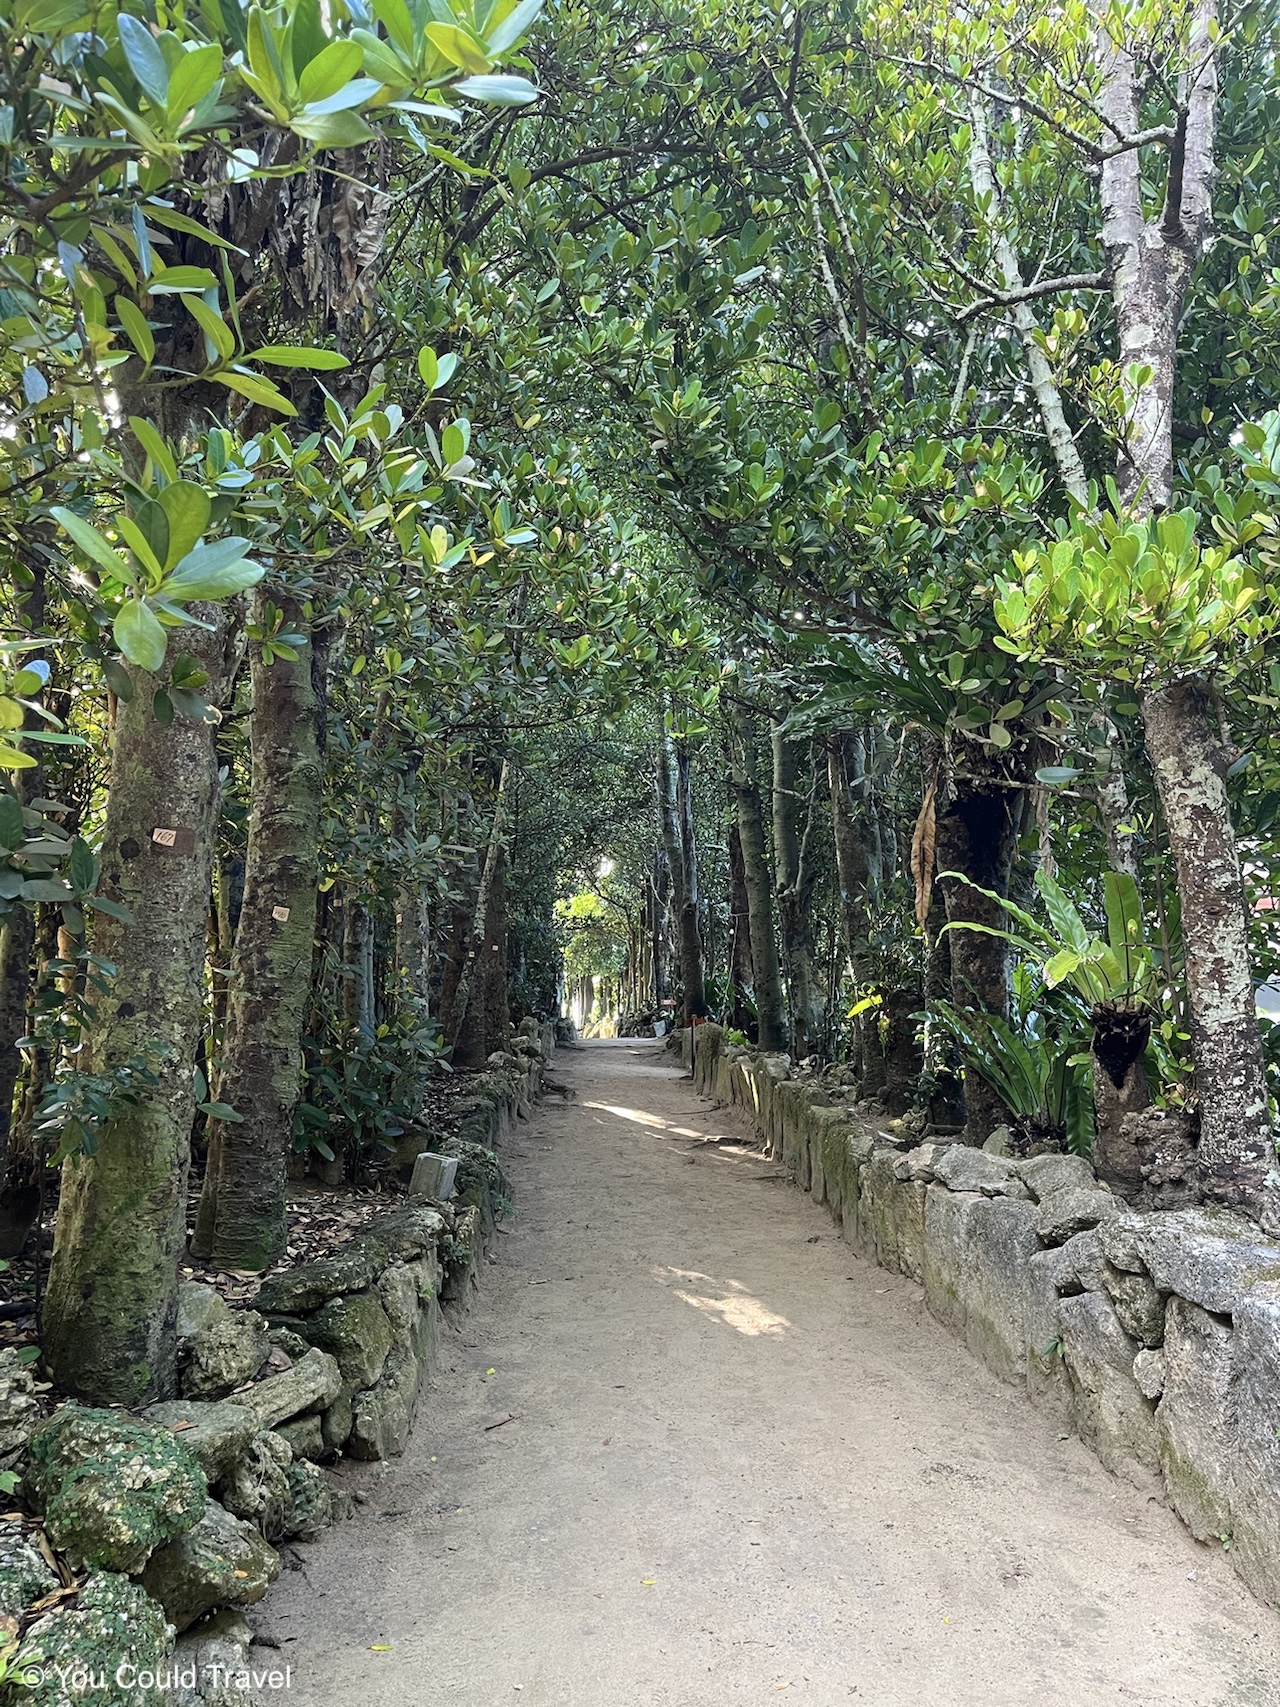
<point x="290" y="1343"/>
<point x="226" y="1354"/>
<point x="1046" y="1174"/>
<point x="1072" y="1210"/>
<point x="222" y="1561"/>
<point x="312" y="1383"/>
<point x="198" y="1307"/>
<point x="111" y="1489"/>
<point x="355" y="1330"/>
<point x="961" y="1168"/>
<point x="215" y="1434"/>
<point x="19" y="1408"/>
<point x="351" y="1268"/>
<point x="258" y="1487"/>
<point x="1139" y="1305"/>
<point x="918" y="1164"/>
<point x="24" y="1575"/>
<point x="1148" y="1372"/>
<point x="305" y="1436"/>
<point x="215" y="1653"/>
<point x="384" y="1414"/>
<point x="1000" y="1142"/>
<point x="337" y="1422"/>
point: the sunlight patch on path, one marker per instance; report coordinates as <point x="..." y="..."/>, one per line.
<point x="736" y="1307"/>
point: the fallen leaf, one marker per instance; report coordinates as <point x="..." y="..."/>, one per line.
<point x="380" y="1647"/>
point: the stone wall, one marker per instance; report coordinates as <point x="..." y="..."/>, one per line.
<point x="1156" y="1336"/>
<point x="169" y="1519"/>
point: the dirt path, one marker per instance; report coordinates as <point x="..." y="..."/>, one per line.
<point x="745" y="1467"/>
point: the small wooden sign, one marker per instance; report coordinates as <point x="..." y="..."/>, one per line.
<point x="279" y="914"/>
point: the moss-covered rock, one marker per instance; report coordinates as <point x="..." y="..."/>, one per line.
<point x="199" y="1307"/>
<point x="222" y="1561"/>
<point x="351" y="1268"/>
<point x="356" y="1332"/>
<point x="305" y="1436"/>
<point x="19" y="1408"/>
<point x="215" y="1434"/>
<point x="384" y="1414"/>
<point x="257" y="1488"/>
<point x="108" y="1649"/>
<point x="226" y="1354"/>
<point x="312" y="1504"/>
<point x="112" y="1489"/>
<point x="24" y="1573"/>
<point x="311" y="1384"/>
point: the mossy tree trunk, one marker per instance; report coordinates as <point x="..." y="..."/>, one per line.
<point x="792" y="830"/>
<point x="675" y="810"/>
<point x="770" y="1011"/>
<point x="1187" y="751"/>
<point x="241" y="1221"/>
<point x="109" y="1320"/>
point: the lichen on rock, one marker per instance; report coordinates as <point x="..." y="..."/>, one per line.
<point x="111" y="1489"/>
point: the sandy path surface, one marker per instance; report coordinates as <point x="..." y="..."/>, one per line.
<point x="746" y="1467"/>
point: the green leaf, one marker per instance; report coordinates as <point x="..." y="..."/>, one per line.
<point x="153" y="524"/>
<point x="358" y="93"/>
<point x="134" y="322"/>
<point x="155" y="447"/>
<point x="93" y="544"/>
<point x="257" y="390"/>
<point x="82" y="868"/>
<point x="193" y="77"/>
<point x="331" y="69"/>
<point x="458" y="46"/>
<point x="45" y="889"/>
<point x="118" y="679"/>
<point x="332" y="130"/>
<point x="517" y="23"/>
<point x="112" y="909"/>
<point x="1063" y="916"/>
<point x="13" y="759"/>
<point x="213" y="326"/>
<point x="175" y="281"/>
<point x="213" y="572"/>
<point x="188" y="508"/>
<point x="139" y="635"/>
<point x="221" y="1111"/>
<point x="498" y="91"/>
<point x="299" y="355"/>
<point x="145" y="58"/>
<point x="162" y="707"/>
<point x="12" y="828"/>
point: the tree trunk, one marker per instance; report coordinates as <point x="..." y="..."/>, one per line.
<point x="241" y="1222"/>
<point x="794" y="888"/>
<point x="109" y="1320"/>
<point x="846" y="770"/>
<point x="977" y="836"/>
<point x="1185" y="744"/>
<point x="357" y="963"/>
<point x="692" y="958"/>
<point x="755" y="866"/>
<point x="466" y="1024"/>
<point x="497" y="1005"/>
<point x="17" y="939"/>
<point x="741" y="976"/>
<point x="675" y="808"/>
